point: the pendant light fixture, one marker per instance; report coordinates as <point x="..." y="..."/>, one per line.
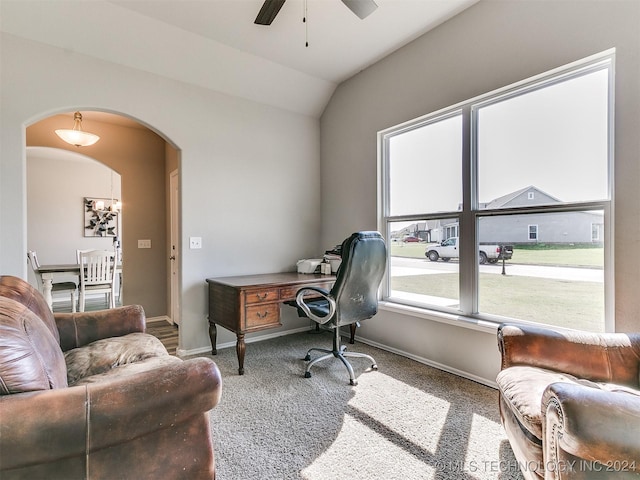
<point x="76" y="136"/>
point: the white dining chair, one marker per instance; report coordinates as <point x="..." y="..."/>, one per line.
<point x="118" y="269"/>
<point x="97" y="274"/>
<point x="70" y="287"/>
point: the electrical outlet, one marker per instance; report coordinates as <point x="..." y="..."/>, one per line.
<point x="144" y="243"/>
<point x="195" y="242"/>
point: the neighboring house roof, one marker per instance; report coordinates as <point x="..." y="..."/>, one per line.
<point x="503" y="201"/>
<point x="500" y="202"/>
<point x="418" y="227"/>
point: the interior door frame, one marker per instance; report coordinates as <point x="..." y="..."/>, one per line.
<point x="174" y="247"/>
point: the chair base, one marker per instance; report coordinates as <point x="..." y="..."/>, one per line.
<point x="339" y="351"/>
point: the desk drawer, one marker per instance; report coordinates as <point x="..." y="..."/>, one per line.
<point x="262" y="295"/>
<point x="289" y="293"/>
<point x="262" y="315"/>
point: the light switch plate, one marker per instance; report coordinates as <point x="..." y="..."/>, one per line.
<point x="195" y="242"/>
<point x="144" y="243"/>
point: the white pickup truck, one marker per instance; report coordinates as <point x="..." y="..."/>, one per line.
<point x="448" y="249"/>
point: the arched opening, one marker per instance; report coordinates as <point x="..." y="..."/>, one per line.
<point x="144" y="160"/>
<point x="57" y="184"/>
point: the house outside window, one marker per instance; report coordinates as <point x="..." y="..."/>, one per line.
<point x="525" y="169"/>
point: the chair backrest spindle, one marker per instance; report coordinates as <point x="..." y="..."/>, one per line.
<point x="98" y="266"/>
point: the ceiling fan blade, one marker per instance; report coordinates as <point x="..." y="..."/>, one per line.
<point x="362" y="8"/>
<point x="268" y="12"/>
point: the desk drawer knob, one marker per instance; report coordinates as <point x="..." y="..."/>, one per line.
<point x="262" y="296"/>
<point x="262" y="314"/>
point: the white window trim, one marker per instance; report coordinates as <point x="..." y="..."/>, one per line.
<point x="469" y="270"/>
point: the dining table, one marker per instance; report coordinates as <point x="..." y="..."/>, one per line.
<point x="49" y="272"/>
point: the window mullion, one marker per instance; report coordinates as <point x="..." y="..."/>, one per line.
<point x="468" y="264"/>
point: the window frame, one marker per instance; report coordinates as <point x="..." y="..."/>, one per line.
<point x="470" y="212"/>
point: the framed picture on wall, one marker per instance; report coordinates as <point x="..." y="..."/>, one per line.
<point x="100" y="217"/>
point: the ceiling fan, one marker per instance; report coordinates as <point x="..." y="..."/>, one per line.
<point x="270" y="8"/>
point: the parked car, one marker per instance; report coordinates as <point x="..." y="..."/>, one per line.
<point x="410" y="239"/>
<point x="448" y="249"/>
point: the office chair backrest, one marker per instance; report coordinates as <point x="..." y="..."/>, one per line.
<point x="364" y="260"/>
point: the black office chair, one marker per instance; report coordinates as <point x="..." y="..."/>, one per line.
<point x="354" y="296"/>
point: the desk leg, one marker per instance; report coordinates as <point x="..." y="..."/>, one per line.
<point x="240" y="349"/>
<point x="213" y="335"/>
<point x="240" y="346"/>
<point x="47" y="284"/>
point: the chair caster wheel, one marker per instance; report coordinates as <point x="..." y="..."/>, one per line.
<point x="307" y="358"/>
<point x="307" y="374"/>
<point x="374" y="367"/>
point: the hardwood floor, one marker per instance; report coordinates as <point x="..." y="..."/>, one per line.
<point x="91" y="304"/>
<point x="167" y="333"/>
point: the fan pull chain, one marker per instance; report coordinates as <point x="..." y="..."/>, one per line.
<point x="306" y="24"/>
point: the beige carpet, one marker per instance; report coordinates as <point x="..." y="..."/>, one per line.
<point x="405" y="421"/>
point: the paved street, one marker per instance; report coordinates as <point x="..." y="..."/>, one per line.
<point x="401" y="266"/>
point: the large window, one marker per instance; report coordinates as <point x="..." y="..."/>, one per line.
<point x="499" y="208"/>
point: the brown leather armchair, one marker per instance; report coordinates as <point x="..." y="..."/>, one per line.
<point x="570" y="402"/>
<point x="91" y="396"/>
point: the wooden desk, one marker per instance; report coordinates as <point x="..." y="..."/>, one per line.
<point x="251" y="303"/>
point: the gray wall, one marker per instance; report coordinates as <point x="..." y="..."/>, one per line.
<point x="57" y="184"/>
<point x="249" y="171"/>
<point x="488" y="46"/>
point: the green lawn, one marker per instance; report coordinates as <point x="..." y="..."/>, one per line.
<point x="555" y="302"/>
<point x="571" y="304"/>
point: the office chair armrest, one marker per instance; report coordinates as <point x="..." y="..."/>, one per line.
<point x="307" y="311"/>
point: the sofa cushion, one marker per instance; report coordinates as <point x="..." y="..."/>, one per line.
<point x="30" y="356"/>
<point x="523" y="386"/>
<point x="103" y="355"/>
<point x="130" y="369"/>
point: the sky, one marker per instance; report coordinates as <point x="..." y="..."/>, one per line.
<point x="554" y="138"/>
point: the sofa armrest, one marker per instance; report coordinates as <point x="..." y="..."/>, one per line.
<point x="603" y="357"/>
<point x="584" y="425"/>
<point x="78" y="329"/>
<point x="41" y="427"/>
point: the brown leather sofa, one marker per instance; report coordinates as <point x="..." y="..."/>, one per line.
<point x="91" y="396"/>
<point x="570" y="402"/>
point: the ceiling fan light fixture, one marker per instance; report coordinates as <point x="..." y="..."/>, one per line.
<point x="76" y="136"/>
<point x="362" y="8"/>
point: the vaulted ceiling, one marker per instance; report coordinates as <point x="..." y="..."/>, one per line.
<point x="216" y="44"/>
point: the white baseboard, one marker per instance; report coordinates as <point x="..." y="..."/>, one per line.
<point x="424" y="361"/>
<point x="431" y="363"/>
<point x="201" y="350"/>
<point x="162" y="318"/>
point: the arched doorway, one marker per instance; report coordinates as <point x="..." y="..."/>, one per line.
<point x="144" y="160"/>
